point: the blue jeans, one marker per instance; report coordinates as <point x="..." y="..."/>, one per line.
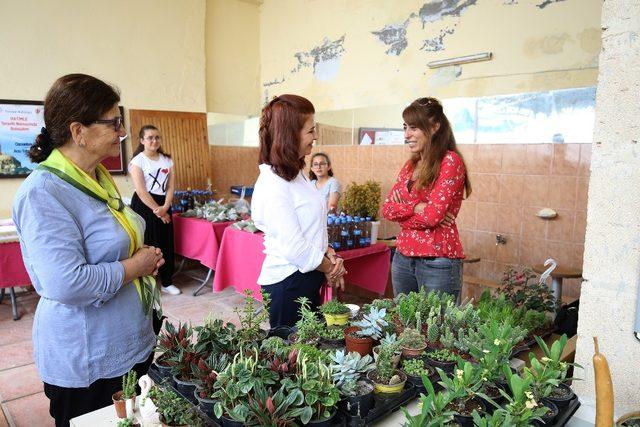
<point x="434" y="274"/>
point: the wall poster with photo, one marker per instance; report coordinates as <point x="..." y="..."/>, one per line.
<point x="20" y="123"/>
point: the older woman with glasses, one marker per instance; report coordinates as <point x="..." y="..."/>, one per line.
<point x="83" y="249"/>
<point x="425" y="200"/>
<point x="321" y="175"/>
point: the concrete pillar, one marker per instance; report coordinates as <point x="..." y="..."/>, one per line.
<point x="608" y="303"/>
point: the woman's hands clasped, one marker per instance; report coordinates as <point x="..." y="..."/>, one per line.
<point x="149" y="259"/>
<point x="335" y="277"/>
<point x="162" y="212"/>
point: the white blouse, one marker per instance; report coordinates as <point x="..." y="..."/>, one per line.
<point x="293" y="217"/>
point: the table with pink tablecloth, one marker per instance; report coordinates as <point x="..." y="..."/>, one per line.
<point x="198" y="239"/>
<point x="12" y="271"/>
<point x="242" y="253"/>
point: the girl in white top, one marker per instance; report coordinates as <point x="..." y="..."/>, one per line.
<point x="291" y="212"/>
<point x="152" y="173"/>
<point x="321" y="175"/>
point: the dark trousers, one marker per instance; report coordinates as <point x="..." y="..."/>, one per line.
<point x="157" y="234"/>
<point x="284" y="308"/>
<point x="66" y="403"/>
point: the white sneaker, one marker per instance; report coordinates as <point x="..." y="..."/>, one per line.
<point x="171" y="290"/>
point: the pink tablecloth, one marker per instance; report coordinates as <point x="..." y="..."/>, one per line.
<point x="12" y="270"/>
<point x="241" y="256"/>
<point x="198" y="239"/>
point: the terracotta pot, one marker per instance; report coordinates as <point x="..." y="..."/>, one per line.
<point x="120" y="405"/>
<point x="359" y="345"/>
<point x="413" y="352"/>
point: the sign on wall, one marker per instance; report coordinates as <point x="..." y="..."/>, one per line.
<point x="20" y="123"/>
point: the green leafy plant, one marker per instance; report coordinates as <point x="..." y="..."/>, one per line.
<point x="332" y="333"/>
<point x="285" y="366"/>
<point x="434" y="410"/>
<point x="274" y="346"/>
<point x="334" y="307"/>
<point x="126" y="422"/>
<point x="372" y="324"/>
<point x="547" y="373"/>
<point x="172" y="340"/>
<point x="520" y="285"/>
<point x="174" y="410"/>
<point x="413" y="339"/>
<point x="129" y="381"/>
<point x="443" y="355"/>
<point x="309" y="326"/>
<point x="278" y="410"/>
<point x="215" y="336"/>
<point x="416" y="367"/>
<point x="205" y="373"/>
<point x="385" y="371"/>
<point x="315" y="381"/>
<point x="236" y="381"/>
<point x="251" y="317"/>
<point x="463" y="386"/>
<point x="362" y="199"/>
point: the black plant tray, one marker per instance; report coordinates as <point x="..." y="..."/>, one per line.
<point x="382" y="407"/>
<point x="206" y="420"/>
<point x="568" y="411"/>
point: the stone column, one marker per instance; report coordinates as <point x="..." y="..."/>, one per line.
<point x="608" y="303"/>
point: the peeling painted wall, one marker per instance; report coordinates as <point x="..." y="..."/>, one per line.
<point x="349" y="54"/>
<point x="608" y="304"/>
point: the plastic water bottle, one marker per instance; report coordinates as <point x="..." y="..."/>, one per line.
<point x="367" y="230"/>
<point x="344" y="234"/>
<point x="358" y="240"/>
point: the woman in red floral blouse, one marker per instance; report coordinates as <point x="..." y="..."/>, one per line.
<point x="425" y="200"/>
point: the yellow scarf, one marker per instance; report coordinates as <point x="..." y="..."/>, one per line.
<point x="105" y="190"/>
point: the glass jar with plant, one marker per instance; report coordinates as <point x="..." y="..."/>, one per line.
<point x="463" y="386"/>
<point x="361" y="335"/>
<point x="335" y="312"/>
<point x="386" y="378"/>
<point x="308" y="327"/>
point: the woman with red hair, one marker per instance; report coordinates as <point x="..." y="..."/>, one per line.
<point x="291" y="212"/>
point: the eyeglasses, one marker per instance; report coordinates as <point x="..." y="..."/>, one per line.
<point x="117" y="122"/>
<point x="317" y="165"/>
<point x="153" y="138"/>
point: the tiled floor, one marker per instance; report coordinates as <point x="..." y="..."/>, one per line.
<point x="21" y="395"/>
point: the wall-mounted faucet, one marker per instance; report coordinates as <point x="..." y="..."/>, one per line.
<point x="500" y="240"/>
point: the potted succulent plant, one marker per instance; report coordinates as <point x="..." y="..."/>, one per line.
<point x="125" y="399"/>
<point x="464" y="387"/>
<point x="127" y="422"/>
<point x="182" y="369"/>
<point x="335" y="312"/>
<point x="281" y="408"/>
<point x="251" y="318"/>
<point x="308" y="327"/>
<point x="389" y="339"/>
<point x="412" y="342"/>
<point x="175" y="411"/>
<point x="361" y="335"/>
<point x="348" y="370"/>
<point x="443" y="359"/>
<point x="385" y="377"/>
<point x="332" y="336"/>
<point x="415" y="369"/>
<point x="434" y="410"/>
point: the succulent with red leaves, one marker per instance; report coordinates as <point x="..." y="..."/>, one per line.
<point x="172" y="340"/>
<point x="205" y="373"/>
